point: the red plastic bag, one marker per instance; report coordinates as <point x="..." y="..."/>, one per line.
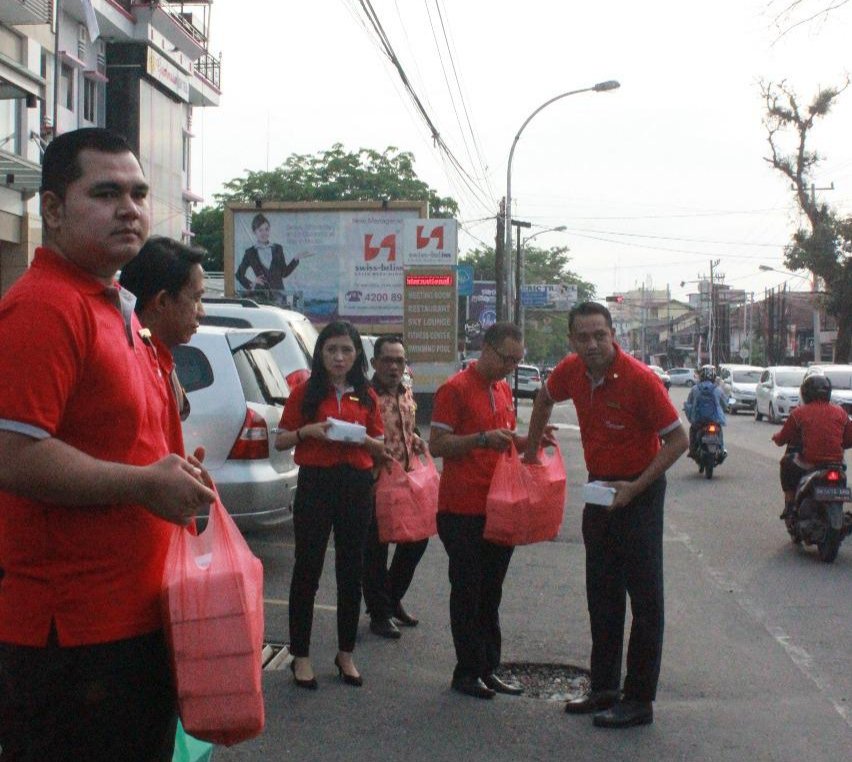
<point x="526" y="501"/>
<point x="407" y="501"/>
<point x="213" y="613"/>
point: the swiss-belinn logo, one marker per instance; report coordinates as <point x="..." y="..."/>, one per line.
<point x="437" y="235"/>
<point x="388" y="243"/>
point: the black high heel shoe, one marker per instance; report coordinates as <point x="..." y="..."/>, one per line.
<point x="310" y="683"/>
<point x="355" y="680"/>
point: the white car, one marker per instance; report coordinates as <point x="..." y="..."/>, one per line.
<point x="841" y="383"/>
<point x="662" y="375"/>
<point x="682" y="377"/>
<point x="236" y="395"/>
<point x="529" y="381"/>
<point x="777" y="393"/>
<point x="739" y="382"/>
<point x="294" y="353"/>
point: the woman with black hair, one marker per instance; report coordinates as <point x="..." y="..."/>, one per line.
<point x="333" y="491"/>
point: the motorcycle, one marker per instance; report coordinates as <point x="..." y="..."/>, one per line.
<point x="816" y="516"/>
<point x="709" y="451"/>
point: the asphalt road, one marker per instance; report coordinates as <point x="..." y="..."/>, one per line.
<point x="756" y="664"/>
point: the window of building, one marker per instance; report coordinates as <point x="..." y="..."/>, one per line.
<point x="66" y="86"/>
<point x="90" y="100"/>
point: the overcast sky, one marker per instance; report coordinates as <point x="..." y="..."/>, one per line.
<point x="652" y="180"/>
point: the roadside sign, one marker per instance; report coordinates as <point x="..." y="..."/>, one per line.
<point x="465" y="280"/>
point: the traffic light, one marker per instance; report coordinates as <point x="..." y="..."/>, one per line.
<point x="617" y="298"/>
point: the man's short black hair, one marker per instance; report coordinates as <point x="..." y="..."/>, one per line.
<point x="61" y="166"/>
<point x="386" y="338"/>
<point x="584" y="309"/>
<point x="497" y="333"/>
<point x="161" y="264"/>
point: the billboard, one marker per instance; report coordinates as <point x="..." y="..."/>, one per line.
<point x="328" y="260"/>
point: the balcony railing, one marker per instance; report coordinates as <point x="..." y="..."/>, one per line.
<point x="210" y="67"/>
<point x="182" y="13"/>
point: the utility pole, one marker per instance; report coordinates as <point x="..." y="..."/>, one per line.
<point x="711" y="334"/>
<point x="815" y="290"/>
<point x="500" y="260"/>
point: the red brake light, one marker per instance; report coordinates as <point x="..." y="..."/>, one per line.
<point x="832" y="476"/>
<point x="297" y="377"/>
<point x="253" y="441"/>
<point x="712" y="428"/>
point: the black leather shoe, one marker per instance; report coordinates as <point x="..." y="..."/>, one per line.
<point x="354" y="680"/>
<point x="499" y="686"/>
<point x="384" y="628"/>
<point x="309" y="683"/>
<point x="595" y="701"/>
<point x="472" y="686"/>
<point x="625" y="714"/>
<point x="403" y="617"/>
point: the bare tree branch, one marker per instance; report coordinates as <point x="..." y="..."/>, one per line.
<point x="784" y="19"/>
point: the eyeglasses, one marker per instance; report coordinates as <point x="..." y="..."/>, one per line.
<point x="506" y="359"/>
<point x="400" y="361"/>
<point x="585" y="338"/>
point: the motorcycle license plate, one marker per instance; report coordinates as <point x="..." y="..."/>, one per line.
<point x="833" y="493"/>
<point x="710" y="439"/>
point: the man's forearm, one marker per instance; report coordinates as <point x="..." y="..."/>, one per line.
<point x="675" y="443"/>
<point x="542" y="408"/>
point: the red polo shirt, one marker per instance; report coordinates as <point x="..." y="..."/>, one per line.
<point x="621" y="419"/>
<point x="345" y="407"/>
<point x="468" y="404"/>
<point x="823" y="430"/>
<point x="74" y="368"/>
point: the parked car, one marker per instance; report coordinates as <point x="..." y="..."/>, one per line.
<point x="529" y="381"/>
<point x="237" y="393"/>
<point x="683" y="376"/>
<point x="739" y="383"/>
<point x="777" y="392"/>
<point x="294" y="353"/>
<point x="841" y="383"/>
<point x="662" y="375"/>
<point x="369" y="343"/>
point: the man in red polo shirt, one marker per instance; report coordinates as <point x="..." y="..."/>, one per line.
<point x="473" y="421"/>
<point x="631" y="435"/>
<point x="89" y="495"/>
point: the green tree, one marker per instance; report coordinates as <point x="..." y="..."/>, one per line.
<point x="823" y="246"/>
<point x="332" y="175"/>
<point x="208" y="224"/>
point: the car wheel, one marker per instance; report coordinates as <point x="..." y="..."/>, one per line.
<point x="773" y="418"/>
<point x="689" y="382"/>
<point x="758" y="416"/>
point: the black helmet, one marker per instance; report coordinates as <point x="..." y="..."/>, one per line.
<point x="815" y="387"/>
<point x="706" y="373"/>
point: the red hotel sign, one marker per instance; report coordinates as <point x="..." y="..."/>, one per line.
<point x="430" y="280"/>
<point x="429" y="315"/>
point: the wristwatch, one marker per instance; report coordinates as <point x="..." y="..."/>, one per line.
<point x="481" y="440"/>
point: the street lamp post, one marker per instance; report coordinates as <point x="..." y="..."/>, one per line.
<point x="507" y="249"/>
<point x="520" y="274"/>
<point x="817" y="328"/>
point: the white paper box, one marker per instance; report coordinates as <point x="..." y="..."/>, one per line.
<point x="343" y="431"/>
<point x="598" y="493"/>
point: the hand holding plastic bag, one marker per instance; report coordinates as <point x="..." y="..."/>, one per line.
<point x="213" y="612"/>
<point x="526" y="501"/>
<point x="407" y="501"/>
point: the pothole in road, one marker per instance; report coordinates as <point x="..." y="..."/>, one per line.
<point x="552" y="682"/>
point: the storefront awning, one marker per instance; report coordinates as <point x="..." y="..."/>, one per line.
<point x="17" y="81"/>
<point x="18" y="173"/>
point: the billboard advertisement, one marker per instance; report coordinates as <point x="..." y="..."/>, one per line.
<point x="328" y="261"/>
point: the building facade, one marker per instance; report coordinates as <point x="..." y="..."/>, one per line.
<point x="137" y="67"/>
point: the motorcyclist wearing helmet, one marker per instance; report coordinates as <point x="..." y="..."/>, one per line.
<point x="816" y="433"/>
<point x="699" y="410"/>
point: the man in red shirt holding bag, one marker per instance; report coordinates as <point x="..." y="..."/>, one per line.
<point x="624" y="414"/>
<point x="473" y="421"/>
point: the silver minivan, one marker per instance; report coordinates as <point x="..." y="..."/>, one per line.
<point x="294" y="353"/>
<point x="237" y="394"/>
<point x="739" y="383"/>
<point x="777" y="392"/>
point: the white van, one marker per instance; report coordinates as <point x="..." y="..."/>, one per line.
<point x="294" y="354"/>
<point x="739" y="382"/>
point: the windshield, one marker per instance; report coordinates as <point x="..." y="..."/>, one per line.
<point x="789" y="377"/>
<point x="747" y="376"/>
<point x="840" y="379"/>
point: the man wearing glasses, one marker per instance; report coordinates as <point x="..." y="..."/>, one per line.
<point x="631" y="435"/>
<point x="473" y="421"/>
<point x="384" y="588"/>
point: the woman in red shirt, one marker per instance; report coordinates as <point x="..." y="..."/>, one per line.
<point x="333" y="490"/>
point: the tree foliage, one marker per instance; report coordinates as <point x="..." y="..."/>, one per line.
<point x="824" y="246"/>
<point x="332" y="175"/>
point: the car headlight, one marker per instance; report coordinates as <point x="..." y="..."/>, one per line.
<point x="782" y="398"/>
